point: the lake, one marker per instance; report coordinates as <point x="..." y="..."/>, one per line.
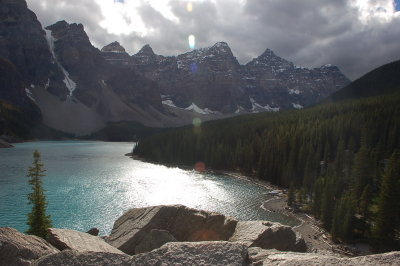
<point x="90" y="184"/>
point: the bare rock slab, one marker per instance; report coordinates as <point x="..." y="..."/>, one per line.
<point x="268" y="235"/>
<point x="182" y="223"/>
<point x="19" y="249"/>
<point x="79" y="241"/>
<point x="73" y="257"/>
<point x="195" y="253"/>
<point x="262" y="257"/>
<point x="153" y="240"/>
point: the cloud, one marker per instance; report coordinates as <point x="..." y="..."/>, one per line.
<point x="356" y="35"/>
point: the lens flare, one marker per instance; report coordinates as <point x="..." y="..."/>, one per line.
<point x="189" y="7"/>
<point x="200" y="167"/>
<point x="192" y="41"/>
<point x="193" y="67"/>
<point x="196" y="122"/>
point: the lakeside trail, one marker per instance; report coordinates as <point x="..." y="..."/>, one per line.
<point x="318" y="240"/>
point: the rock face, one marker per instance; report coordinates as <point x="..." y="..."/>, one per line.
<point x="93" y="231"/>
<point x="153" y="240"/>
<point x="72" y="257"/>
<point x="19" y="249"/>
<point x="183" y="223"/>
<point x="195" y="253"/>
<point x="79" y="241"/>
<point x="212" y="79"/>
<point x="260" y="257"/>
<point x="268" y="235"/>
<point x="79" y="89"/>
<point x="115" y="54"/>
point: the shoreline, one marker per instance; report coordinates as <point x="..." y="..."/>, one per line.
<point x="318" y="240"/>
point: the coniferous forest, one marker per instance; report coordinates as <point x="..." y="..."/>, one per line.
<point x="341" y="159"/>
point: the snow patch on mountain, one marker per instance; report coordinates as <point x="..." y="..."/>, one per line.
<point x="256" y="107"/>
<point x="193" y="107"/>
<point x="292" y="91"/>
<point x="29" y="94"/>
<point x="169" y="103"/>
<point x="297" y="106"/>
<point x="71" y="85"/>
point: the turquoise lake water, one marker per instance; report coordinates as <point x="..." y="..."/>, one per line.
<point x="90" y="184"/>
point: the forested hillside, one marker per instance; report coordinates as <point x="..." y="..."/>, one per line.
<point x="341" y="160"/>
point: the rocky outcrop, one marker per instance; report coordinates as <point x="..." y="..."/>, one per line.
<point x="19" y="249"/>
<point x="73" y="257"/>
<point x="260" y="257"/>
<point x="195" y="253"/>
<point x="268" y="235"/>
<point x="184" y="224"/>
<point x="115" y="54"/>
<point x="79" y="241"/>
<point x="5" y="144"/>
<point x="93" y="231"/>
<point x="153" y="240"/>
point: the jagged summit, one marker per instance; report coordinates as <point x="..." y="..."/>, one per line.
<point x="62" y="29"/>
<point x="114" y="47"/>
<point x="146" y="50"/>
<point x="270" y="59"/>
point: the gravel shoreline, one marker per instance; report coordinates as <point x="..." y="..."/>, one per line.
<point x="316" y="238"/>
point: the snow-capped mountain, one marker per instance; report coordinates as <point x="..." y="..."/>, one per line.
<point x="79" y="89"/>
<point x="212" y="78"/>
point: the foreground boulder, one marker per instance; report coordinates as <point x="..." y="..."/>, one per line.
<point x="19" y="249"/>
<point x="182" y="223"/>
<point x="268" y="235"/>
<point x="73" y="257"/>
<point x="155" y="239"/>
<point x="261" y="257"/>
<point x="195" y="253"/>
<point x="79" y="241"/>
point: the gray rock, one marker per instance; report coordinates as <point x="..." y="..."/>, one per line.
<point x="5" y="144"/>
<point x="268" y="235"/>
<point x="185" y="224"/>
<point x="79" y="241"/>
<point x="73" y="257"/>
<point x="261" y="257"/>
<point x="153" y="240"/>
<point x="195" y="253"/>
<point x="93" y="232"/>
<point x="19" y="249"/>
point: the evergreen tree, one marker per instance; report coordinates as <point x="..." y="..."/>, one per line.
<point x="38" y="220"/>
<point x="388" y="214"/>
<point x="291" y="195"/>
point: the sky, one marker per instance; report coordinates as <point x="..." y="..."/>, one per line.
<point x="355" y="35"/>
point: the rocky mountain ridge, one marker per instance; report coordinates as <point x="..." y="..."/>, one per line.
<point x="79" y="88"/>
<point x="213" y="79"/>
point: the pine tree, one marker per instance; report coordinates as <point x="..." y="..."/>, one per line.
<point x="38" y="220"/>
<point x="388" y="214"/>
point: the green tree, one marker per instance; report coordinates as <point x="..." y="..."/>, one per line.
<point x="388" y="214"/>
<point x="38" y="220"/>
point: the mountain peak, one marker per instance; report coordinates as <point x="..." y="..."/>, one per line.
<point x="114" y="47"/>
<point x="62" y="29"/>
<point x="221" y="47"/>
<point x="146" y="50"/>
<point x="270" y="59"/>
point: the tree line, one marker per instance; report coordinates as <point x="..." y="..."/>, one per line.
<point x="341" y="160"/>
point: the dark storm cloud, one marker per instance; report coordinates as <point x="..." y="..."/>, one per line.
<point x="310" y="33"/>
